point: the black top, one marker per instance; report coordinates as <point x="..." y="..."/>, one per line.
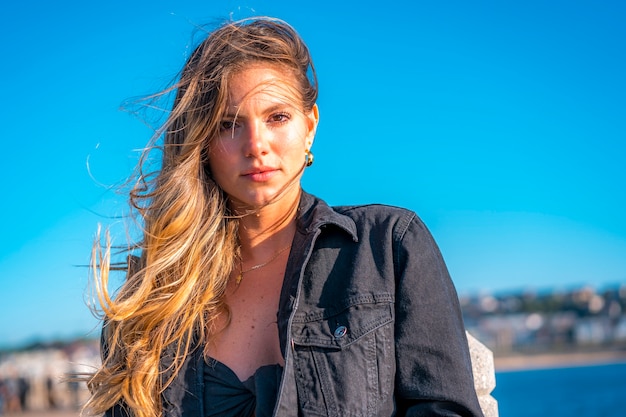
<point x="225" y="395"/>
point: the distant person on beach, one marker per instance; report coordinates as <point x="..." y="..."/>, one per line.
<point x="9" y="390"/>
<point x="247" y="296"/>
<point x="50" y="396"/>
<point x="3" y="395"/>
<point x="23" y="390"/>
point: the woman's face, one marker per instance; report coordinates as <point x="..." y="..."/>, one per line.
<point x="263" y="137"/>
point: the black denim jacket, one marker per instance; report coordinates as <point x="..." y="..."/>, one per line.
<point x="369" y="323"/>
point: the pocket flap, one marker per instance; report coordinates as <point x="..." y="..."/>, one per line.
<point x="340" y="329"/>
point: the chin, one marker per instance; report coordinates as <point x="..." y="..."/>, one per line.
<point x="253" y="202"/>
<point x="267" y="198"/>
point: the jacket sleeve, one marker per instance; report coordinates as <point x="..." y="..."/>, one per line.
<point x="183" y="396"/>
<point x="434" y="372"/>
<point x="119" y="409"/>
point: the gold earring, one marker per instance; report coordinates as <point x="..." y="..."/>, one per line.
<point x="309" y="158"/>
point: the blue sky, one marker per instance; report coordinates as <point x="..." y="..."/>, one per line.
<point x="502" y="124"/>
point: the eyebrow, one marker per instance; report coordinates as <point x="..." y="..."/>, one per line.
<point x="272" y="108"/>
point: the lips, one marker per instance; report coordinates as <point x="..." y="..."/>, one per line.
<point x="260" y="174"/>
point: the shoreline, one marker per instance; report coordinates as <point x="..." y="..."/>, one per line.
<point x="536" y="361"/>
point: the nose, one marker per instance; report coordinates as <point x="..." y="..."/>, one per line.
<point x="257" y="140"/>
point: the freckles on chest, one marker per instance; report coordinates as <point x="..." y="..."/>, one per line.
<point x="253" y="307"/>
<point x="250" y="339"/>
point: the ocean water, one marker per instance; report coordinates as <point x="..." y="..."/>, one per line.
<point x="584" y="391"/>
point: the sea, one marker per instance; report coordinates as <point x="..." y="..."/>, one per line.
<point x="581" y="391"/>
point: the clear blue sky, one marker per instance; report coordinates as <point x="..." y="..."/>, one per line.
<point x="502" y="124"/>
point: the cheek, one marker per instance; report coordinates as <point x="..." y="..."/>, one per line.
<point x="290" y="151"/>
<point x="222" y="150"/>
<point x="295" y="143"/>
<point x="219" y="161"/>
<point x="218" y="175"/>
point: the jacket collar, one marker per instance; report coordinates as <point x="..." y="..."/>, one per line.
<point x="315" y="214"/>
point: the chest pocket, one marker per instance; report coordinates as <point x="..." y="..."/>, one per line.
<point x="344" y="359"/>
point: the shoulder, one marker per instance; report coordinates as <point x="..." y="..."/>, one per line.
<point x="374" y="210"/>
<point x="377" y="216"/>
<point x="360" y="220"/>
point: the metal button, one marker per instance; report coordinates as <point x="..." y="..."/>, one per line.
<point x="340" y="332"/>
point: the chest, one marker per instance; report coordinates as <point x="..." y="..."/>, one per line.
<point x="247" y="337"/>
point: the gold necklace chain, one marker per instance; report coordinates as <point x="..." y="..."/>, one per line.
<point x="241" y="271"/>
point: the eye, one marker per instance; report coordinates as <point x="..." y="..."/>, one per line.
<point x="227" y="125"/>
<point x="280" y="118"/>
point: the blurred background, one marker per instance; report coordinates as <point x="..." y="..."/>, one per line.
<point x="501" y="124"/>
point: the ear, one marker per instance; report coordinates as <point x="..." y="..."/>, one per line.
<point x="313" y="118"/>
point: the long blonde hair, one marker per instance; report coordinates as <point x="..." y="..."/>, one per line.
<point x="189" y="241"/>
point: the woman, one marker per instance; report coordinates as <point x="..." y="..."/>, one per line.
<point x="252" y="297"/>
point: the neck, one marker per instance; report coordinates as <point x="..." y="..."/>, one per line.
<point x="268" y="229"/>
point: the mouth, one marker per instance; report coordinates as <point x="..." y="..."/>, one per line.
<point x="260" y="174"/>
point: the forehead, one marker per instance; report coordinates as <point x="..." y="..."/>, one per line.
<point x="263" y="82"/>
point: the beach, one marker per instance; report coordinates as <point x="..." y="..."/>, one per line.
<point x="44" y="413"/>
<point x="557" y="360"/>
